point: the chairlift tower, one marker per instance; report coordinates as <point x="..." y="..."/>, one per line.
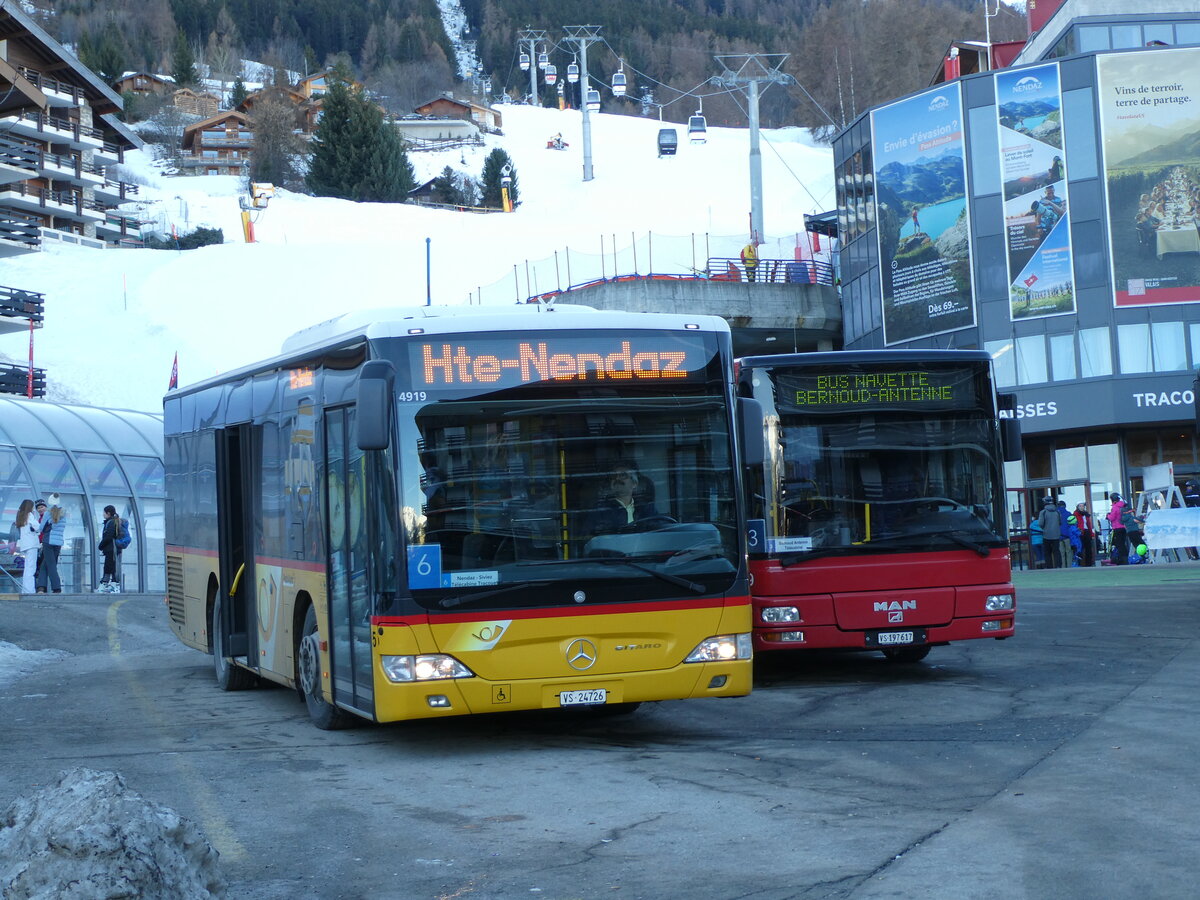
<point x="750" y="70"/>
<point x="528" y="40"/>
<point x="582" y="36"/>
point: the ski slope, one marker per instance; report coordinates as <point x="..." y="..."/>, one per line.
<point x="116" y="318"/>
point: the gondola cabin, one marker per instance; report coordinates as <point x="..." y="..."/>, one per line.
<point x="618" y="84"/>
<point x="593" y="100"/>
<point x="668" y="142"/>
<point x="697" y="129"/>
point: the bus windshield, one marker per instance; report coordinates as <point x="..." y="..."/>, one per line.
<point x="879" y="484"/>
<point x="864" y="455"/>
<point x="563" y="492"/>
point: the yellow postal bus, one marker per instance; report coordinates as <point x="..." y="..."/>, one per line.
<point x="438" y="512"/>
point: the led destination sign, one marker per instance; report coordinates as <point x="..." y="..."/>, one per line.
<point x="499" y="363"/>
<point x="876" y="391"/>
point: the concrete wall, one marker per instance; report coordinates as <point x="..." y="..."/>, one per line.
<point x="764" y="317"/>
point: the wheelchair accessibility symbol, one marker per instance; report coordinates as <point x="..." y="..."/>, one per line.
<point x="501" y="693"/>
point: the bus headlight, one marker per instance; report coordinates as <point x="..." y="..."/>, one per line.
<point x="435" y="667"/>
<point x="996" y="602"/>
<point x="721" y="648"/>
<point x="781" y="614"/>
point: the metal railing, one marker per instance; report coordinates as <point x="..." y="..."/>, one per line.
<point x="21" y="229"/>
<point x="42" y="121"/>
<point x="15" y="380"/>
<point x="51" y="84"/>
<point x="22" y="304"/>
<point x="44" y="197"/>
<point x="772" y="271"/>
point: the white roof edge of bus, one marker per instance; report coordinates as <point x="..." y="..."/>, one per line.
<point x="381" y="322"/>
<point x="378" y="322"/>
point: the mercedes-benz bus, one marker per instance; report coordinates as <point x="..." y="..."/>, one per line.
<point x="397" y="515"/>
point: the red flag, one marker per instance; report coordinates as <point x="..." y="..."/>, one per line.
<point x="174" y="383"/>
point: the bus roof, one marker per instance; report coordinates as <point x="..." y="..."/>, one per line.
<point x="368" y="324"/>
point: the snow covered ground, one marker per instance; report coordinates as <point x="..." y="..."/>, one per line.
<point x="116" y="318"/>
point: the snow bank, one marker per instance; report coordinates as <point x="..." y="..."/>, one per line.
<point x="88" y="836"/>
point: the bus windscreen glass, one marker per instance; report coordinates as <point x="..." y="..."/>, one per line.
<point x="869" y="462"/>
<point x="571" y="466"/>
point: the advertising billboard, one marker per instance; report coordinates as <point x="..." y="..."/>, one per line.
<point x="921" y="215"/>
<point x="1036" y="231"/>
<point x="1150" y="124"/>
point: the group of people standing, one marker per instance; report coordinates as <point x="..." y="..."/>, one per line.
<point x="1063" y="539"/>
<point x="41" y="532"/>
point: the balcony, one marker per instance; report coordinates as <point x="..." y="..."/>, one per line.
<point x="59" y="93"/>
<point x="18" y="161"/>
<point x="115" y="191"/>
<point x="48" y="128"/>
<point x="17" y="303"/>
<point x="19" y="232"/>
<point x="53" y="203"/>
<point x="16" y="380"/>
<point x="20" y="307"/>
<point x="110" y="153"/>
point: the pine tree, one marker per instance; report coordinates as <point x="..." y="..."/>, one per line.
<point x="183" y="62"/>
<point x="356" y="153"/>
<point x="238" y="94"/>
<point x="493" y="173"/>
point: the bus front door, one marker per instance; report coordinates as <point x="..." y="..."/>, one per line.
<point x="348" y="578"/>
<point x="236" y="514"/>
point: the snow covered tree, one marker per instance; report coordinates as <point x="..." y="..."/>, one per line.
<point x="493" y="173"/>
<point x="356" y="153"/>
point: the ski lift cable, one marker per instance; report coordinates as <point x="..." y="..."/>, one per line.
<point x="766" y="140"/>
<point x="818" y="106"/>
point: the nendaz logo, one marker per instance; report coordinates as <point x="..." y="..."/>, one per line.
<point x="938" y="103"/>
<point x="1027" y="85"/>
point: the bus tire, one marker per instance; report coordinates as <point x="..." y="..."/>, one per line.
<point x="906" y="654"/>
<point x="324" y="715"/>
<point x="230" y="677"/>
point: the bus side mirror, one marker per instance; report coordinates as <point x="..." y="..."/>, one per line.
<point x="1010" y="439"/>
<point x="373" y="409"/>
<point x="750" y="430"/>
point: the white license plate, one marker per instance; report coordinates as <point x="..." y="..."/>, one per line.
<point x="896" y="637"/>
<point x="583" y="698"/>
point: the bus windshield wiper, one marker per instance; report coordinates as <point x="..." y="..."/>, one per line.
<point x="952" y="534"/>
<point x="788" y="560"/>
<point x="464" y="599"/>
<point x="665" y="576"/>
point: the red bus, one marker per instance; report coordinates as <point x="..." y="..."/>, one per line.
<point x="877" y="516"/>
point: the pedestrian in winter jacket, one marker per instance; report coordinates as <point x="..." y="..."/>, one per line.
<point x="1120" y="540"/>
<point x="1065" y="547"/>
<point x="1075" y="540"/>
<point x="1051" y="525"/>
<point x="1083" y="519"/>
<point x="1036" y="544"/>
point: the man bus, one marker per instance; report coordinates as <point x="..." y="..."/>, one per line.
<point x="876" y="517"/>
<point x="393" y="516"/>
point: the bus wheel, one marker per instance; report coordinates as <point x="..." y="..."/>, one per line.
<point x="906" y="654"/>
<point x="324" y="715"/>
<point x="229" y="676"/>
